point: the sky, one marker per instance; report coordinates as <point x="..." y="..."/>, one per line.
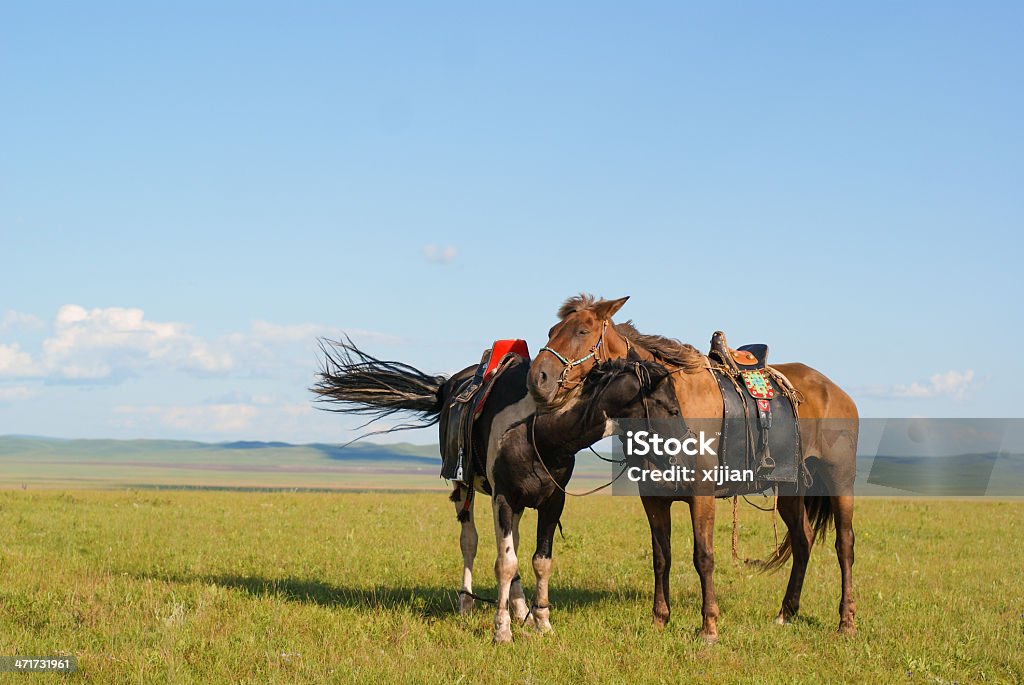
<point x="192" y="193"/>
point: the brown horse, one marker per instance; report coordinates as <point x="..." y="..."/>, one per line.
<point x="586" y="334"/>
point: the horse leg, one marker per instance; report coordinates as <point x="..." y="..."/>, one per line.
<point x="659" y="518"/>
<point x="794" y="515"/>
<point x="702" y="516"/>
<point x="547" y="520"/>
<point x="520" y="610"/>
<point x="467" y="543"/>
<point x="504" y="566"/>
<point x="842" y="508"/>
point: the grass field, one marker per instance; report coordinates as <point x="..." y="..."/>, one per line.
<point x="225" y="587"/>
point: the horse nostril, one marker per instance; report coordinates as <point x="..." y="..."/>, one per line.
<point x="542" y="378"/>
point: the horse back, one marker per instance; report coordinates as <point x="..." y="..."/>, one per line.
<point x="828" y="424"/>
<point x="509" y="403"/>
<point x="822" y="398"/>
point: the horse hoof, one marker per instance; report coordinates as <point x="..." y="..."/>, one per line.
<point x="542" y="620"/>
<point x="709" y="638"/>
<point x="466" y="605"/>
<point x="847" y="629"/>
<point x="502" y="637"/>
<point x="520" y="611"/>
<point x="543" y="626"/>
<point x="783" y="620"/>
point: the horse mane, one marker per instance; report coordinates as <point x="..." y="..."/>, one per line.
<point x="648" y="372"/>
<point x="666" y="350"/>
<point x="577" y="303"/>
<point x="604" y="372"/>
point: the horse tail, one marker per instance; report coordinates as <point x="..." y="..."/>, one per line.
<point x="819" y="514"/>
<point x="351" y="381"/>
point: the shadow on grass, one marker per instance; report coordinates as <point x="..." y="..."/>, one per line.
<point x="811" y="621"/>
<point x="429" y="601"/>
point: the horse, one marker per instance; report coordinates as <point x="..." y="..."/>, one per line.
<point x="585" y="336"/>
<point x="528" y="457"/>
<point x="536" y="457"/>
<point x="352" y="381"/>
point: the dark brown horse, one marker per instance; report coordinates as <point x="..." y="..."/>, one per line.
<point x="352" y="381"/>
<point x="535" y="458"/>
<point x="585" y="335"/>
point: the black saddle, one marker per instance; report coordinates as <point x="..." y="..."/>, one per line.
<point x="760" y="426"/>
<point x="458" y="460"/>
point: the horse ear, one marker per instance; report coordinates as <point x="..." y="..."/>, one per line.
<point x="606" y="309"/>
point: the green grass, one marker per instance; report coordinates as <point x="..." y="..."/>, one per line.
<point x="226" y="587"/>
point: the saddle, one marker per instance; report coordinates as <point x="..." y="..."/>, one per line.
<point x="468" y="399"/>
<point x="760" y="425"/>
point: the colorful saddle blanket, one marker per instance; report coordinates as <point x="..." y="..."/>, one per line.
<point x="468" y="400"/>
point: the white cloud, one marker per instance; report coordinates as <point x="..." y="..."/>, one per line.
<point x="110" y="343"/>
<point x="104" y="345"/>
<point x="953" y="384"/>
<point x="15" y="363"/>
<point x="440" y="255"/>
<point x="949" y="384"/>
<point x="113" y="342"/>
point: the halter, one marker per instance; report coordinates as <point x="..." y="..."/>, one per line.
<point x="569" y="364"/>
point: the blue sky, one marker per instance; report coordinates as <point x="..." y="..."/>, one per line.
<point x="189" y="195"/>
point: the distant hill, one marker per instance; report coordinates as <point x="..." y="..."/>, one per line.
<point x="25" y="444"/>
<point x="30" y="461"/>
<point x="39" y="461"/>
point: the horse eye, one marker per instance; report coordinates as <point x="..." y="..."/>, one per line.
<point x="582" y="331"/>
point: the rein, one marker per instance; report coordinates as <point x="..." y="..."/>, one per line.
<point x="536" y="453"/>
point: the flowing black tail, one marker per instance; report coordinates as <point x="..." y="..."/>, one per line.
<point x="353" y="382"/>
<point x="819" y="514"/>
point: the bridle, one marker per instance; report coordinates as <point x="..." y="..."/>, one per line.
<point x="570" y="364"/>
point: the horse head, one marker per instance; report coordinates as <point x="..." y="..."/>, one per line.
<point x="584" y="336"/>
<point x="628" y="388"/>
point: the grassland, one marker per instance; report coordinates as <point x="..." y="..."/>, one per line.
<point x="229" y="587"/>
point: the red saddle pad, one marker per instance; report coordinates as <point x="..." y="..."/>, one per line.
<point x="500" y="349"/>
